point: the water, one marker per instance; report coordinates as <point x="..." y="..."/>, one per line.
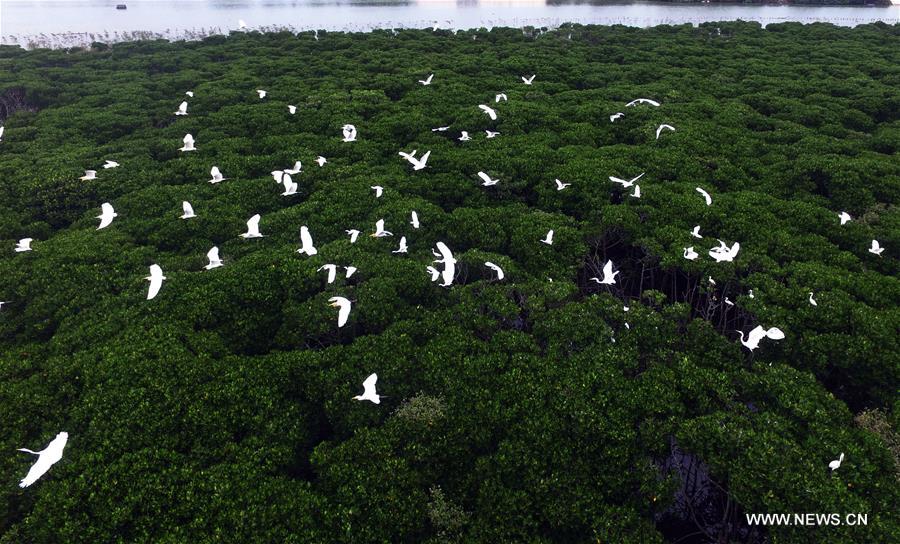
<point x="22" y="20"/>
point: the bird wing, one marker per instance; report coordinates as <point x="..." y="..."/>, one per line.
<point x="424" y="158"/>
<point x="705" y="196"/>
<point x="155" y="284"/>
<point x="485" y="177"/>
<point x="369" y="385"/>
<point x="187" y="208"/>
<point x="213" y="255"/>
<point x="287" y="181"/>
<point x="775" y="333"/>
<point x="607" y="269"/>
<point x="253" y="224"/>
<point x="446" y="254"/>
<point x="624" y="183"/>
<point x="305" y="237"/>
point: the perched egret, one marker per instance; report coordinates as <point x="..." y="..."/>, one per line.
<point x="214" y="260"/>
<point x="321" y="161"/>
<point x="414" y="221"/>
<point x="690" y="254"/>
<point x="252" y="228"/>
<point x="528" y="80"/>
<point x="350" y="270"/>
<point x="549" y="238"/>
<point x="110" y="164"/>
<point x="427" y="80"/>
<point x="836" y="464"/>
<point x="845" y="217"/>
<point x="261" y="93"/>
<point x="464" y="136"/>
<point x="560" y="185"/>
<point x="306" y="243"/>
<point x="349" y="132"/>
<point x="332" y="272"/>
<point x="487" y="179"/>
<point x="489" y="111"/>
<point x="292" y="109"/>
<point x="23" y="245"/>
<point x="369" y="390"/>
<point x="609" y="277"/>
<point x="495" y="268"/>
<point x="403" y="247"/>
<point x="491" y="134"/>
<point x="107" y="214"/>
<point x="812" y="300"/>
<point x="758" y="334"/>
<point x="642" y="101"/>
<point x="188" y="210"/>
<point x="499" y="97"/>
<point x="188" y="141"/>
<point x="706" y="196"/>
<point x="182" y="108"/>
<point x="418" y="164"/>
<point x="876" y="248"/>
<point x="89" y="175"/>
<point x="696" y="232"/>
<point x="155" y="278"/>
<point x="663" y="127"/>
<point x="617" y="115"/>
<point x="216" y="175"/>
<point x="626" y="183"/>
<point x="47" y="457"/>
<point x="379" y="230"/>
<point x="353" y="235"/>
<point x="343" y="306"/>
<point x="723" y="253"/>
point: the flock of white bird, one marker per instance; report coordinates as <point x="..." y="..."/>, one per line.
<point x="447" y="271"/>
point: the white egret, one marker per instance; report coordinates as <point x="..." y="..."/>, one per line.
<point x="487" y="179"/>
<point x="343" y="306"/>
<point x="369" y="390"/>
<point x="353" y="235"/>
<point x="499" y="97"/>
<point x="349" y="132"/>
<point x="491" y="134"/>
<point x="435" y="273"/>
<point x="277" y="175"/>
<point x="642" y="101"/>
<point x="449" y="262"/>
<point x="262" y="94"/>
<point x="214" y="260"/>
<point x="495" y="268"/>
<point x="706" y="196"/>
<point x="489" y="111"/>
<point x="332" y="272"/>
<point x="464" y="136"/>
<point x="690" y="254"/>
<point x="845" y="217"/>
<point x="306" y="242"/>
<point x="188" y="210"/>
<point x="379" y="230"/>
<point x="379" y="190"/>
<point x="661" y="127"/>
<point x="414" y="221"/>
<point x="617" y="115"/>
<point x="560" y="185"/>
<point x="241" y="24"/>
<point x="290" y="186"/>
<point x="626" y="183"/>
<point x="47" y="457"/>
<point x="110" y="164"/>
<point x="182" y="108"/>
<point x="427" y="80"/>
<point x="836" y="464"/>
<point x="728" y="301"/>
<point x="403" y="247"/>
<point x="107" y="214"/>
<point x="350" y="270"/>
<point x="155" y="278"/>
<point x="528" y="80"/>
<point x="812" y="300"/>
<point x="292" y="109"/>
<point x="757" y="334"/>
<point x="723" y="253"/>
<point x="321" y="161"/>
<point x="216" y="175"/>
<point x="23" y="245"/>
<point x="188" y="141"/>
<point x="441" y="129"/>
<point x="89" y="175"/>
<point x="418" y="164"/>
<point x="696" y="232"/>
<point x="549" y="238"/>
<point x="1" y="133"/>
<point x="252" y="228"/>
<point x="876" y="248"/>
<point x="189" y="93"/>
<point x="609" y="277"/>
<point x="295" y="169"/>
<point x="750" y="294"/>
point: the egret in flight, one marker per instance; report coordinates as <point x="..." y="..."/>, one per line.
<point x="491" y="134"/>
<point x="499" y="97"/>
<point x="464" y="136"/>
<point x="690" y="254"/>
<point x="261" y="93"/>
<point x="182" y="108"/>
<point x="89" y="175"/>
<point x="214" y="260"/>
<point x="332" y="272"/>
<point x="107" y="214"/>
<point x="696" y="232"/>
<point x="252" y="228"/>
<point x="528" y="80"/>
<point x="441" y="129"/>
<point x="403" y="247"/>
<point x="449" y="262"/>
<point x="434" y="272"/>
<point x="290" y="186"/>
<point x="427" y="80"/>
<point x="306" y="243"/>
<point x="155" y="278"/>
<point x="379" y="230"/>
<point x="189" y="93"/>
<point x="723" y="253"/>
<point x="110" y="164"/>
<point x="642" y="101"/>
<point x="343" y="306"/>
<point x="23" y="245"/>
<point x="369" y="390"/>
<point x="489" y="111"/>
<point x="617" y="115"/>
<point x="188" y="141"/>
<point x="350" y="270"/>
<point x="487" y="179"/>
<point x="216" y="175"/>
<point x="295" y="169"/>
<point x="548" y="239"/>
<point x="845" y="217"/>
<point x="379" y="190"/>
<point x="418" y="164"/>
<point x="626" y="183"/>
<point x="353" y="235"/>
<point x="560" y="185"/>
<point x="241" y="24"/>
<point x="661" y="127"/>
<point x="609" y="277"/>
<point x="836" y="464"/>
<point x="876" y="248"/>
<point x="758" y="334"/>
<point x="47" y="457"/>
<point x="321" y="161"/>
<point x="706" y="196"/>
<point x="414" y="219"/>
<point x="349" y="132"/>
<point x="292" y="109"/>
<point x="188" y="210"/>
<point x="495" y="268"/>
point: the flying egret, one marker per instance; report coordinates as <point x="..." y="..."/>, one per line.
<point x="353" y="235"/>
<point x="609" y="277"/>
<point x="449" y="262"/>
<point x="292" y="109"/>
<point x="560" y="185"/>
<point x="464" y="136"/>
<point x="379" y="190"/>
<point x="845" y="217"/>
<point x="549" y="238"/>
<point x="624" y="183"/>
<point x="379" y="230"/>
<point x="107" y="214"/>
<point x="189" y="93"/>
<point x="182" y="108"/>
<point x="89" y="175"/>
<point x="528" y="80"/>
<point x="188" y="210"/>
<point x="216" y="175"/>
<point x="690" y="254"/>
<point x="293" y="170"/>
<point x="47" y="457"/>
<point x="642" y="101"/>
<point x="441" y="129"/>
<point x="489" y="111"/>
<point x="349" y="132"/>
<point x="350" y="270"/>
<point x="343" y="306"/>
<point x="321" y="160"/>
<point x="110" y="164"/>
<point x="706" y="196"/>
<point x="617" y="115"/>
<point x="696" y="232"/>
<point x="723" y="253"/>
<point x="188" y="141"/>
<point x="491" y="134"/>
<point x="661" y="127"/>
<point x="214" y="260"/>
<point x="306" y="242"/>
<point x="435" y="273"/>
<point x="277" y="175"/>
<point x="487" y="179"/>
<point x="637" y="192"/>
<point x="155" y="278"/>
<point x="495" y="268"/>
<point x="23" y="245"/>
<point x="252" y="228"/>
<point x="427" y="80"/>
<point x="418" y="164"/>
<point x="499" y="97"/>
<point x="403" y="247"/>
<point x="876" y="248"/>
<point x="812" y="300"/>
<point x="369" y="390"/>
<point x="290" y="186"/>
<point x="261" y="93"/>
<point x="414" y="221"/>
<point x="758" y="334"/>
<point x="332" y="272"/>
<point x="836" y="464"/>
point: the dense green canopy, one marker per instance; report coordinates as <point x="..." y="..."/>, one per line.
<point x="521" y="410"/>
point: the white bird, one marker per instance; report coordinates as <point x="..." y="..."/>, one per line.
<point x="495" y="268"/>
<point x="845" y="217"/>
<point x="261" y="93"/>
<point x="349" y="132"/>
<point x="277" y="175"/>
<point x="241" y="24"/>
<point x="706" y="196"/>
<point x="876" y="248"/>
<point x="332" y="272"/>
<point x="723" y="253"/>
<point x="216" y="175"/>
<point x="190" y="94"/>
<point x="110" y="164"/>
<point x="441" y="129"/>
<point x="728" y="301"/>
<point x="487" y="179"/>
<point x="88" y="175"/>
<point x="188" y="143"/>
<point x="617" y="115"/>
<point x="379" y="190"/>
<point x="107" y="214"/>
<point x="290" y="186"/>
<point x="188" y="210"/>
<point x="549" y="238"/>
<point x="379" y="230"/>
<point x="369" y="390"/>
<point x="626" y="183"/>
<point x="350" y="270"/>
<point x="464" y="136"/>
<point x="418" y="164"/>
<point x="435" y="273"/>
<point x="449" y="262"/>
<point x="836" y="464"/>
<point x="661" y="127"/>
<point x="812" y="300"/>
<point x="321" y="160"/>
<point x="696" y="232"/>
<point x="642" y="101"/>
<point x="214" y="260"/>
<point x="295" y="169"/>
<point x="609" y="277"/>
<point x="499" y="97"/>
<point x="560" y="185"/>
<point x="353" y="234"/>
<point x="306" y="243"/>
<point x="750" y="294"/>
<point x="343" y="306"/>
<point x="637" y="192"/>
<point x="252" y="228"/>
<point x="403" y="248"/>
<point x="23" y="245"/>
<point x="155" y="278"/>
<point x="182" y="108"/>
<point x="1" y="133"/>
<point x="427" y="80"/>
<point x="758" y="334"/>
<point x="528" y="80"/>
<point x="292" y="109"/>
<point x="414" y="221"/>
<point x="489" y="111"/>
<point x="690" y="254"/>
<point x="47" y="457"/>
<point x="491" y="133"/>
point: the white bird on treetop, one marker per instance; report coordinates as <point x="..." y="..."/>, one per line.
<point x="47" y="457"/>
<point x="349" y="132"/>
<point x="261" y="93"/>
<point x="379" y="190"/>
<point x="723" y="253"/>
<point x="812" y="300"/>
<point x="836" y="464"/>
<point x="155" y="278"/>
<point x="321" y="160"/>
<point x="292" y="109"/>
<point x="464" y="136"/>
